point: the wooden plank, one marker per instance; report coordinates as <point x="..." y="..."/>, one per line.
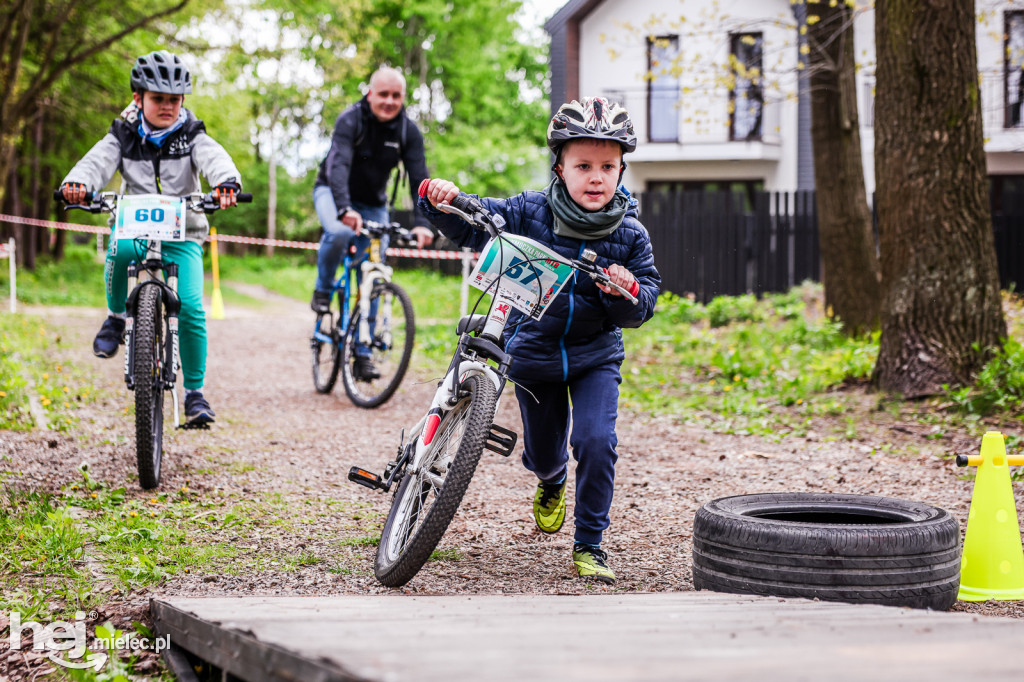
<point x="678" y="636"/>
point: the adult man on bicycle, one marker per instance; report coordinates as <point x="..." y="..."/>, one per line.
<point x="370" y="138"/>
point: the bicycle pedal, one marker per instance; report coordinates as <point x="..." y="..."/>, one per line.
<point x="501" y="440"/>
<point x="366" y="478"/>
<point x="195" y="426"/>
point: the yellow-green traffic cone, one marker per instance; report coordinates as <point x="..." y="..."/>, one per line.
<point x="992" y="564"/>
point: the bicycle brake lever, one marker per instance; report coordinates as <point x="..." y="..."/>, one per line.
<point x="445" y="207"/>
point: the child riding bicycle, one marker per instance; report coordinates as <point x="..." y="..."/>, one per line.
<point x="566" y="365"/>
<point x="160" y="147"/>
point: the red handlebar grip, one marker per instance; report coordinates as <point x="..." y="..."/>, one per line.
<point x="423" y="187"/>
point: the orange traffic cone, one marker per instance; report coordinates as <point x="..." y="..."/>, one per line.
<point x="992" y="564"/>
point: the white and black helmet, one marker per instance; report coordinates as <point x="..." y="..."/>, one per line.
<point x="595" y="118"/>
<point x="161" y="71"/>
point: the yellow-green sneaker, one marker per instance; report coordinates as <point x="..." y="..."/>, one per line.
<point x="592" y="562"/>
<point x="549" y="506"/>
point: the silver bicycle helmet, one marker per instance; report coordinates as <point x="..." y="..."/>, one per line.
<point x="594" y="118"/>
<point x="161" y="71"/>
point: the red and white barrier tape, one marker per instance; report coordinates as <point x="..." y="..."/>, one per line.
<point x="312" y="246"/>
<point x="264" y="242"/>
<point x="50" y="223"/>
<point x="4" y="251"/>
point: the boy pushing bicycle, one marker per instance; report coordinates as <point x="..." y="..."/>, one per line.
<point x="160" y="147"/>
<point x="566" y="365"/>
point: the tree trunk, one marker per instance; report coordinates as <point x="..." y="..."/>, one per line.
<point x="942" y="313"/>
<point x="851" y="276"/>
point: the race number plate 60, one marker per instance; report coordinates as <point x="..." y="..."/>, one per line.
<point x="151" y="216"/>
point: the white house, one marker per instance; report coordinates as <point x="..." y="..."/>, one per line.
<point x="716" y="93"/>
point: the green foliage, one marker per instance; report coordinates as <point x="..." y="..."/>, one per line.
<point x="999" y="387"/>
<point x="474" y="88"/>
<point x="77" y="280"/>
<point x="742" y="365"/>
<point x="285" y="73"/>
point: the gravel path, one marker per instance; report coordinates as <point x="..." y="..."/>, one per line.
<point x="275" y="435"/>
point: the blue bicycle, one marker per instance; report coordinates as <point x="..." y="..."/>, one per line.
<point x="367" y="333"/>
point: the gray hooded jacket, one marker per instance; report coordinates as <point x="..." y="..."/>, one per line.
<point x="171" y="169"/>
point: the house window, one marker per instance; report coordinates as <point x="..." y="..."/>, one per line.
<point x="663" y="89"/>
<point x="1014" y="62"/>
<point x="746" y="100"/>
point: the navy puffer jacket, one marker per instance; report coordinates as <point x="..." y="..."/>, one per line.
<point x="581" y="327"/>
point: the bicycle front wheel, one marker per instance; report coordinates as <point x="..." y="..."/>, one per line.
<point x="426" y="501"/>
<point x="327" y="353"/>
<point x="388" y="348"/>
<point x="147" y="366"/>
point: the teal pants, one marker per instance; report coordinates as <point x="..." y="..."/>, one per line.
<point x="192" y="318"/>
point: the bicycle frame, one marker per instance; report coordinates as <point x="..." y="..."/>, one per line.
<point x="371" y="270"/>
<point x="470" y="359"/>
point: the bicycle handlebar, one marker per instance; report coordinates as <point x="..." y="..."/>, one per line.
<point x="474" y="213"/>
<point x="403" y="237"/>
<point x="98" y="202"/>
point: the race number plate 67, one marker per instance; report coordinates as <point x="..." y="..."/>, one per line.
<point x="531" y="273"/>
<point x="151" y="216"/>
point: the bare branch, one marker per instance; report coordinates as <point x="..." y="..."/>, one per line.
<point x="14" y="62"/>
<point x="43" y="84"/>
<point x="12" y="14"/>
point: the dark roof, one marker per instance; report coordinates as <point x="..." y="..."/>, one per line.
<point x="574" y="10"/>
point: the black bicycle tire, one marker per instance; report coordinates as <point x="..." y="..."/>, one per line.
<point x="352" y="388"/>
<point x="828" y="546"/>
<point x="147" y="351"/>
<point x="325" y="384"/>
<point x="483" y="398"/>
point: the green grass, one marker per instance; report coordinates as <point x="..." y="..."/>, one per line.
<point x="742" y="365"/>
<point x="31" y="369"/>
<point x="76" y="280"/>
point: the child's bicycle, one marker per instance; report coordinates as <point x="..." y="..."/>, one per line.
<point x="436" y="462"/>
<point x="373" y="333"/>
<point x="151" y="361"/>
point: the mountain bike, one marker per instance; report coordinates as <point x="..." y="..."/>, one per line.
<point x="151" y="361"/>
<point x="369" y="317"/>
<point x="434" y="466"/>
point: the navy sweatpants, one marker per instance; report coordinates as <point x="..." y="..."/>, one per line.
<point x="591" y="400"/>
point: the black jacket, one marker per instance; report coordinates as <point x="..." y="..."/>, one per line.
<point x="364" y="152"/>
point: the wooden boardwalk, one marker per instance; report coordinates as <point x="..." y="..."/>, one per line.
<point x="665" y="636"/>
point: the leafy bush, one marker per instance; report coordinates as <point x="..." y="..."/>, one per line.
<point x="998" y="387"/>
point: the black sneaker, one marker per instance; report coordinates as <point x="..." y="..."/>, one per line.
<point x="197" y="410"/>
<point x="321" y="302"/>
<point x="363" y="369"/>
<point x="592" y="563"/>
<point x="109" y="337"/>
